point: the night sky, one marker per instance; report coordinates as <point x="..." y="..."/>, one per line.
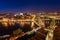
<point x="29" y="5"/>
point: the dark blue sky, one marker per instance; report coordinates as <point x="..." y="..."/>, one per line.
<point x="29" y="5"/>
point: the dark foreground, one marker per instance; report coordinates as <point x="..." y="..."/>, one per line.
<point x="41" y="35"/>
